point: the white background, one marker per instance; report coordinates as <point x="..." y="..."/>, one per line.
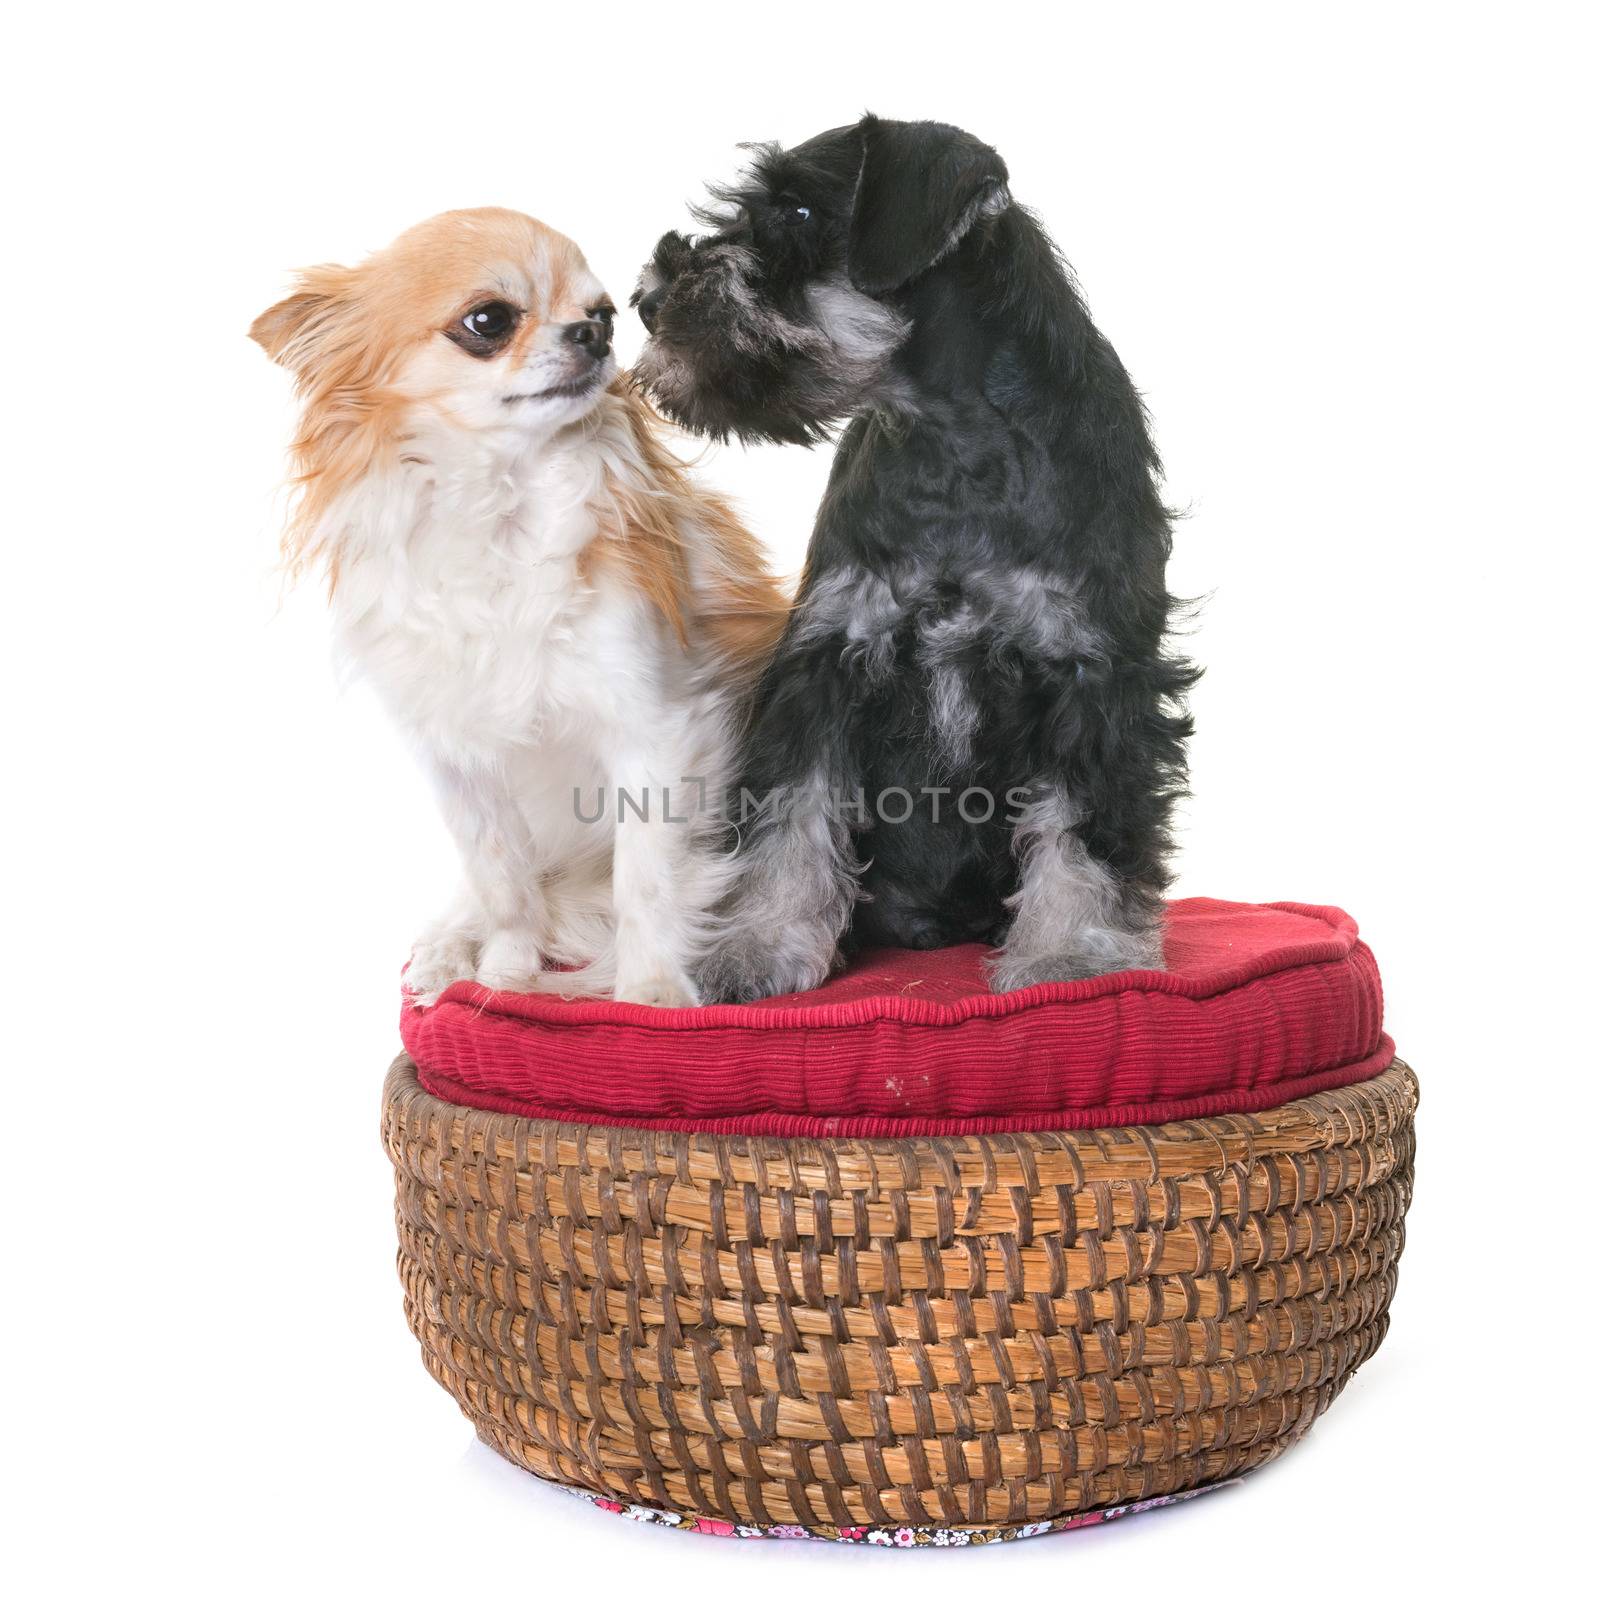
<point x="1345" y="253"/>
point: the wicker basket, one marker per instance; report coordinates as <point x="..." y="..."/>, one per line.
<point x="962" y="1332"/>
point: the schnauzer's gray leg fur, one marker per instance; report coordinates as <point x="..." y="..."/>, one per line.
<point x="796" y="888"/>
<point x="1074" y="919"/>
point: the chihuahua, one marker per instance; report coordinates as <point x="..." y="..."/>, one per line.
<point x="568" y="631"/>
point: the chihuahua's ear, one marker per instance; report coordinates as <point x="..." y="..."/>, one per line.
<point x="923" y="185"/>
<point x="290" y="330"/>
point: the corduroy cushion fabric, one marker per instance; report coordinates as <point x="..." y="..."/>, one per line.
<point x="1259" y="1005"/>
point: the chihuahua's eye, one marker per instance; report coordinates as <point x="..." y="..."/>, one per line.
<point x="483" y="331"/>
<point x="491" y="321"/>
<point x="606" y="313"/>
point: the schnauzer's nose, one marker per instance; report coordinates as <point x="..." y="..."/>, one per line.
<point x="649" y="305"/>
<point x="592" y="334"/>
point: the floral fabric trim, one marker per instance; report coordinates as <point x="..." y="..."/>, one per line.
<point x="893" y="1537"/>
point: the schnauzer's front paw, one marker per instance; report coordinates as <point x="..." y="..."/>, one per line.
<point x="743" y="968"/>
<point x="438" y="960"/>
<point x="1089" y="957"/>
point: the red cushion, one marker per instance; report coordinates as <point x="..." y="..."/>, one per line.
<point x="1259" y="1005"/>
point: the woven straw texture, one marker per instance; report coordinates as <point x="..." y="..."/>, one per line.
<point x="964" y="1331"/>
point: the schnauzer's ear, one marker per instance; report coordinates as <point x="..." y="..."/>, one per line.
<point x="291" y="330"/>
<point x="922" y="186"/>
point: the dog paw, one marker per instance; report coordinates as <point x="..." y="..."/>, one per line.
<point x="437" y="961"/>
<point x="511" y="960"/>
<point x="1009" y="973"/>
<point x="657" y="990"/>
<point x="1087" y="958"/>
<point x="743" y="969"/>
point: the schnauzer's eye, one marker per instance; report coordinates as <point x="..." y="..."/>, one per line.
<point x="489" y="322"/>
<point x="794" y="214"/>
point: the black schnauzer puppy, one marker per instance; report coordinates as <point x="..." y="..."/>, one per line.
<point x="973" y="690"/>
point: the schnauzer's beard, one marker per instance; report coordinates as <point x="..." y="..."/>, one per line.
<point x="725" y="359"/>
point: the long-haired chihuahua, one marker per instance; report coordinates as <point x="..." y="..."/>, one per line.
<point x="565" y="627"/>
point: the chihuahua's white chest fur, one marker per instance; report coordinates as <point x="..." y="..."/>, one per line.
<point x="463" y="598"/>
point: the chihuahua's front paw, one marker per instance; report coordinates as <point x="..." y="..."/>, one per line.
<point x="512" y="960"/>
<point x="743" y="967"/>
<point x="439" y="959"/>
<point x="658" y="989"/>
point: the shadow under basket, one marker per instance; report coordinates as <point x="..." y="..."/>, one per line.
<point x="945" y="1339"/>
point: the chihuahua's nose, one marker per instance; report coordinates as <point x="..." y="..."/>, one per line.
<point x="592" y="334"/>
<point x="650" y="305"/>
